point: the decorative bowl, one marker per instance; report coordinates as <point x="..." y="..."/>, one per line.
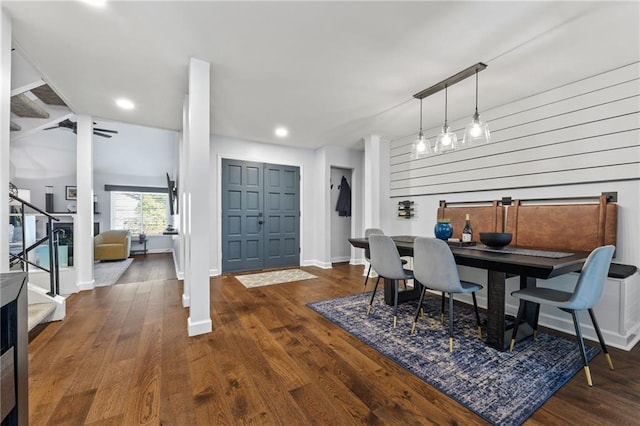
<point x="495" y="239"/>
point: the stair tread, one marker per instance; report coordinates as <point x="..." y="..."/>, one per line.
<point x="37" y="312"/>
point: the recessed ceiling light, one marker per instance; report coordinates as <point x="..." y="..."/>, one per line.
<point x="281" y="132"/>
<point x="95" y="3"/>
<point x="125" y="103"/>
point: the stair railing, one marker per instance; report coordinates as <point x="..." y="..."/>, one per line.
<point x="52" y="240"/>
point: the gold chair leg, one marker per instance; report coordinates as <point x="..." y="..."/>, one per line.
<point x="413" y="328"/>
<point x="587" y="372"/>
<point x="535" y="334"/>
<point x="441" y="316"/>
<point x="513" y="343"/>
<point x="395" y="320"/>
<point x="421" y="312"/>
<point x="608" y="357"/>
<point x="480" y="331"/>
<point x="368" y="309"/>
<point x="450" y="344"/>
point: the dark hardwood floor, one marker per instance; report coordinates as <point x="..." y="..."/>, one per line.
<point x="122" y="357"/>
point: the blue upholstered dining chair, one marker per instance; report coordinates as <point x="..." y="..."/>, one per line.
<point x="386" y="261"/>
<point x="435" y="268"/>
<point x="367" y="253"/>
<point x="586" y="294"/>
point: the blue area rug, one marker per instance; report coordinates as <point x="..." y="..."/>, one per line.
<point x="502" y="387"/>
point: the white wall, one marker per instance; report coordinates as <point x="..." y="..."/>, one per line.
<point x="45" y="158"/>
<point x="582" y="132"/>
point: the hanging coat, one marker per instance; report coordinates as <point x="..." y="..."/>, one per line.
<point x="344" y="198"/>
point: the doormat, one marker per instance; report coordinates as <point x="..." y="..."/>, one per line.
<point x="504" y="388"/>
<point x="274" y="277"/>
<point x="107" y="273"/>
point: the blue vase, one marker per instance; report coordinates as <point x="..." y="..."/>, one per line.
<point x="443" y="230"/>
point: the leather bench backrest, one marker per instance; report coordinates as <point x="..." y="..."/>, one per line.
<point x="579" y="227"/>
<point x="482" y="218"/>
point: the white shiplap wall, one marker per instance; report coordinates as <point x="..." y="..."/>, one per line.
<point x="582" y="132"/>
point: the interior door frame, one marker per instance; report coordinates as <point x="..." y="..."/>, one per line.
<point x="218" y="217"/>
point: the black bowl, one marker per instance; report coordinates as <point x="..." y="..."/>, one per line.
<point x="495" y="239"/>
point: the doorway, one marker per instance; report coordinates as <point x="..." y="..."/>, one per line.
<point x="260" y="216"/>
<point x="340" y="221"/>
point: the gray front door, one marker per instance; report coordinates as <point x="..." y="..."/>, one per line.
<point x="260" y="216"/>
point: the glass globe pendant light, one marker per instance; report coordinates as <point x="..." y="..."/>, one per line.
<point x="421" y="146"/>
<point x="447" y="140"/>
<point x="477" y="131"/>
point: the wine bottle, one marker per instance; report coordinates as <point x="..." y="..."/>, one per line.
<point x="467" y="231"/>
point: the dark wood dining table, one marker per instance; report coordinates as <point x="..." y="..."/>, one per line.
<point x="500" y="266"/>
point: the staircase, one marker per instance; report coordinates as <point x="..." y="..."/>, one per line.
<point x="43" y="307"/>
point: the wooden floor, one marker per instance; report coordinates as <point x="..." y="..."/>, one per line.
<point x="122" y="357"/>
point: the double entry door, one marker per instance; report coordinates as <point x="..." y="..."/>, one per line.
<point x="260" y="216"/>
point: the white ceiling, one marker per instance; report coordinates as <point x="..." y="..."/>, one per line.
<point x="332" y="72"/>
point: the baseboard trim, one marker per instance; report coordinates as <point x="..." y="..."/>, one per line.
<point x="89" y="285"/>
<point x="179" y="273"/>
<point x="196" y="328"/>
<point x="186" y="301"/>
<point x="611" y="337"/>
<point x="317" y="263"/>
<point x="155" y="251"/>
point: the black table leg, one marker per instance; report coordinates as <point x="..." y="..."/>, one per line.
<point x="525" y="329"/>
<point x="403" y="295"/>
<point x="498" y="333"/>
<point x="530" y="308"/>
<point x="495" y="309"/>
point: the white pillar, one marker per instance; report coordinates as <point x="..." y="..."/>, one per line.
<point x="83" y="221"/>
<point x="5" y="115"/>
<point x="376" y="181"/>
<point x="183" y="188"/>
<point x="199" y="321"/>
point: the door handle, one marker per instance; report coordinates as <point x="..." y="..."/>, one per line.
<point x="260" y="222"/>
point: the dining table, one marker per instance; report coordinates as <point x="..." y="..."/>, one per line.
<point x="527" y="263"/>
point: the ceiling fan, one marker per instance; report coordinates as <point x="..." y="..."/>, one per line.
<point x="68" y="124"/>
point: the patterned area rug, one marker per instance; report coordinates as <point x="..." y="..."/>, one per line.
<point x="107" y="273"/>
<point x="275" y="277"/>
<point x="504" y="388"/>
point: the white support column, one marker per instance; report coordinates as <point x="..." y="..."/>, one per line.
<point x="83" y="222"/>
<point x="199" y="321"/>
<point x="376" y="160"/>
<point x="5" y="115"/>
<point x="185" y="234"/>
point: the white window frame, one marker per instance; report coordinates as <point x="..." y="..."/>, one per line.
<point x="137" y="190"/>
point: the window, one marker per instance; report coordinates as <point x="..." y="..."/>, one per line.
<point x="139" y="212"/>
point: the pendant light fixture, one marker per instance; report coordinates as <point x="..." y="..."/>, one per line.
<point x="447" y="140"/>
<point x="421" y="146"/>
<point x="477" y="131"/>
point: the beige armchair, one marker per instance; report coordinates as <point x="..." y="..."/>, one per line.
<point x="112" y="245"/>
